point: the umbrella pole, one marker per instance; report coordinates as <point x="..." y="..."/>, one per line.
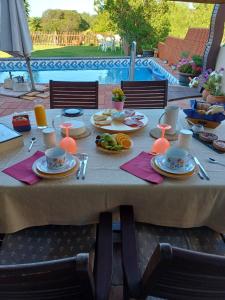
<point x="30" y="73"/>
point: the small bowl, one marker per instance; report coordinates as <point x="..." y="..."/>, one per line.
<point x="119" y="116"/>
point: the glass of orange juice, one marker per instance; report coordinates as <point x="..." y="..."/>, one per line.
<point x="40" y="115"/>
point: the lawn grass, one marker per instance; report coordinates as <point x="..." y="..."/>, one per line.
<point x="69" y="51"/>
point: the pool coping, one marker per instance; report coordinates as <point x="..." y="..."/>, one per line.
<point x="83" y="63"/>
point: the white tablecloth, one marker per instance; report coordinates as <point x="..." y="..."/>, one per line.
<point x="190" y="203"/>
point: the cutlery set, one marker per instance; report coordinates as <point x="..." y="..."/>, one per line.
<point x="81" y="172"/>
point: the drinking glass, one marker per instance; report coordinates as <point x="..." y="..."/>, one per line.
<point x="40" y="114"/>
<point x="68" y="143"/>
<point x="162" y="144"/>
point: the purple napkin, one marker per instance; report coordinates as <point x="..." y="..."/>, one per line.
<point x="140" y="166"/>
<point x="23" y="170"/>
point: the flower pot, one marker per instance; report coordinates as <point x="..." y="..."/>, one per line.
<point x="215" y="99"/>
<point x="184" y="78"/>
<point x="205" y="94"/>
<point x="118" y="105"/>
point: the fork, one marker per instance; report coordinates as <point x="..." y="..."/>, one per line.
<point x="80" y="157"/>
<point x="85" y="160"/>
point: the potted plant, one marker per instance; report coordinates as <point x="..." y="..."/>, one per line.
<point x="118" y="99"/>
<point x="214" y="86"/>
<point x="189" y="68"/>
<point x="200" y="81"/>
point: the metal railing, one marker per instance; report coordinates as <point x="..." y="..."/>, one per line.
<point x="132" y="60"/>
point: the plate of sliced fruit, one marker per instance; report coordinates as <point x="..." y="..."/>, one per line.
<point x="113" y="143"/>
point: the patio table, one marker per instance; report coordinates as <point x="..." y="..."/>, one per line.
<point x="189" y="203"/>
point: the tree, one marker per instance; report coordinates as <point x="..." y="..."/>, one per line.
<point x="35" y="24"/>
<point x="181" y="17"/>
<point x="103" y="23"/>
<point x="62" y="21"/>
<point x="90" y="19"/>
<point x="27" y="7"/>
<point x="146" y="21"/>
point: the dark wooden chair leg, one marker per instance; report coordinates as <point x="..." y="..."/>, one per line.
<point x="129" y="252"/>
<point x="103" y="257"/>
<point x="1" y="238"/>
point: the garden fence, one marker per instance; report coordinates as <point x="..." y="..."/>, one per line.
<point x="64" y="39"/>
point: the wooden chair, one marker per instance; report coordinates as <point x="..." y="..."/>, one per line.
<point x="66" y="94"/>
<point x="171" y="272"/>
<point x="70" y="277"/>
<point x="145" y="94"/>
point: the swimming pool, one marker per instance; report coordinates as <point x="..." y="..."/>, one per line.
<point x="106" y="71"/>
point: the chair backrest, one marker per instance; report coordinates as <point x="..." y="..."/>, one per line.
<point x="176" y="273"/>
<point x="65" y="94"/>
<point x="67" y="279"/>
<point x="145" y="94"/>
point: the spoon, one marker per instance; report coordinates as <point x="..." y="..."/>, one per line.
<point x="214" y="161"/>
<point x="33" y="140"/>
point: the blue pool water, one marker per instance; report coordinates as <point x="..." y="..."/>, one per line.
<point x="106" y="76"/>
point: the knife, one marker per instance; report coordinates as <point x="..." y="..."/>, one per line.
<point x="201" y="168"/>
<point x="81" y="165"/>
<point x="85" y="160"/>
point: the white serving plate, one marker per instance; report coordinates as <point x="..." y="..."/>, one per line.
<point x="116" y="126"/>
<point x="160" y="162"/>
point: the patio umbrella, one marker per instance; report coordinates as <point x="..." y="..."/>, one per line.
<point x="14" y="32"/>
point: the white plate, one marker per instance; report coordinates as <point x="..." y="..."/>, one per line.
<point x="160" y="162"/>
<point x="41" y="165"/>
<point x="116" y="126"/>
<point x="60" y="175"/>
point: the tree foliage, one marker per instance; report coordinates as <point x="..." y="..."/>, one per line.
<point x="35" y="24"/>
<point x="146" y="22"/>
<point x="182" y="17"/>
<point x="103" y="23"/>
<point x="27" y="7"/>
<point x="63" y="21"/>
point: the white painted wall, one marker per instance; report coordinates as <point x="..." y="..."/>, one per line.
<point x="221" y="64"/>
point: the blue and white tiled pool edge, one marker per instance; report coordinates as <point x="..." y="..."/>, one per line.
<point x="55" y="64"/>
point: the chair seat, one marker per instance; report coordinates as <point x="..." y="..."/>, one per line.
<point x="47" y="243"/>
<point x="200" y="239"/>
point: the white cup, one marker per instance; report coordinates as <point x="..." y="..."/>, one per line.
<point x="170" y="118"/>
<point x="49" y="137"/>
<point x="55" y="158"/>
<point x="184" y="138"/>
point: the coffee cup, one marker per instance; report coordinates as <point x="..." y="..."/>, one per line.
<point x="55" y="158"/>
<point x="176" y="158"/>
<point x="170" y="118"/>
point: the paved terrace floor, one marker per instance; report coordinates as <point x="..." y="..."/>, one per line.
<point x="9" y="105"/>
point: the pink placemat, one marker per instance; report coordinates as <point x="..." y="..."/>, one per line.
<point x="23" y="170"/>
<point x="140" y="166"/>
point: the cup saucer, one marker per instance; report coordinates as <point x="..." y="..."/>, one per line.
<point x="160" y="162"/>
<point x="41" y="165"/>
